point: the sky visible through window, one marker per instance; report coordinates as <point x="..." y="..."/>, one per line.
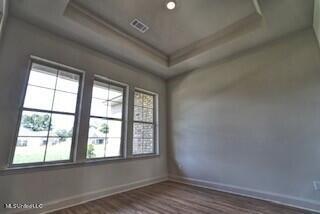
<point x="105" y="130"/>
<point x="46" y="127"/>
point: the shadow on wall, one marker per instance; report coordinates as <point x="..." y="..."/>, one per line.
<point x="242" y="80"/>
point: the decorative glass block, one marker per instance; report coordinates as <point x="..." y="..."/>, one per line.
<point x="137" y="113"/>
<point x="137" y="130"/>
<point x="147" y="101"/>
<point x="147" y="115"/>
<point x="148" y="131"/>
<point x="138" y="99"/>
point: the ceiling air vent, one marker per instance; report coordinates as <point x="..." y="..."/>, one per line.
<point x="138" y="25"/>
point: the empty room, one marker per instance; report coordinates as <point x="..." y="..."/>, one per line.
<point x="160" y="106"/>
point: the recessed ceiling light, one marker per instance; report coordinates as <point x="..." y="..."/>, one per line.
<point x="171" y="5"/>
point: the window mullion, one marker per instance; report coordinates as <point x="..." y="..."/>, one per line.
<point x="142" y="147"/>
<point x="106" y="136"/>
<point x="47" y="111"/>
<point x="108" y="90"/>
<point x="35" y="131"/>
<point x="50" y="121"/>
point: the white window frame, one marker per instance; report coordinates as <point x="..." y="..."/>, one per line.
<point x="58" y="66"/>
<point x="124" y="129"/>
<point x="156" y="146"/>
<point x="126" y="136"/>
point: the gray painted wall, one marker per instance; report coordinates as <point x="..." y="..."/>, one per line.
<point x="20" y="41"/>
<point x="251" y="122"/>
<point x="316" y="19"/>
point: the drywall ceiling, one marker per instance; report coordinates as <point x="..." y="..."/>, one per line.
<point x="197" y="33"/>
<point x="170" y="31"/>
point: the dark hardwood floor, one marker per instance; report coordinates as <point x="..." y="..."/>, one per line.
<point x="170" y="197"/>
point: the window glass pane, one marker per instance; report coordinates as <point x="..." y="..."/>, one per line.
<point x="29" y="150"/>
<point x="114" y="128"/>
<point x="143" y="128"/>
<point x="58" y="149"/>
<point x="147" y="146"/>
<point x="147" y="115"/>
<point x="137" y="113"/>
<point x="105" y="132"/>
<point x="96" y="148"/>
<point x="100" y="90"/>
<point x="106" y="100"/>
<point x="98" y="128"/>
<point x="147" y="101"/>
<point x="115" y="93"/>
<point x="38" y="98"/>
<point x="137" y="99"/>
<point x="99" y="107"/>
<point x="114" y="110"/>
<point x="142" y="146"/>
<point x="43" y="76"/>
<point x="68" y="82"/>
<point x="113" y="147"/>
<point x="65" y="102"/>
<point x="137" y="146"/>
<point x="148" y="131"/>
<point x="137" y="130"/>
<point x="61" y="126"/>
<point x="143" y="138"/>
<point x="34" y="124"/>
<point x="48" y="91"/>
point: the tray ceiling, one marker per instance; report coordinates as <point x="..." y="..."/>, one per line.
<point x="195" y="34"/>
<point x="170" y="31"/>
<point x="173" y="36"/>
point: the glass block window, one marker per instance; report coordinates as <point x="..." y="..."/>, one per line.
<point x="106" y="120"/>
<point x="144" y="123"/>
<point x="46" y="128"/>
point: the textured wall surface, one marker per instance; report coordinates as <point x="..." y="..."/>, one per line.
<point x="22" y="40"/>
<point x="251" y="121"/>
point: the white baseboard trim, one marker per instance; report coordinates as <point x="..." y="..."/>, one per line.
<point x="310" y="205"/>
<point x="90" y="196"/>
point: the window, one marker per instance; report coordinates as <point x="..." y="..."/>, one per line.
<point x="48" y="117"/>
<point x="105" y="138"/>
<point x="144" y="125"/>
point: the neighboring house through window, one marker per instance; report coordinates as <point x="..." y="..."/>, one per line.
<point x="106" y="120"/>
<point x="48" y="116"/>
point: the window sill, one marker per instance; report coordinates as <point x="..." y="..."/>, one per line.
<point x="143" y="155"/>
<point x="67" y="165"/>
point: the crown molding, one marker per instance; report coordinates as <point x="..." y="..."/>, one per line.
<point x="229" y="33"/>
<point x="86" y="18"/>
<point x="241" y="27"/>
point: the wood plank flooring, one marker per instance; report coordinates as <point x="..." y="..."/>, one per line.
<point x="170" y="197"/>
